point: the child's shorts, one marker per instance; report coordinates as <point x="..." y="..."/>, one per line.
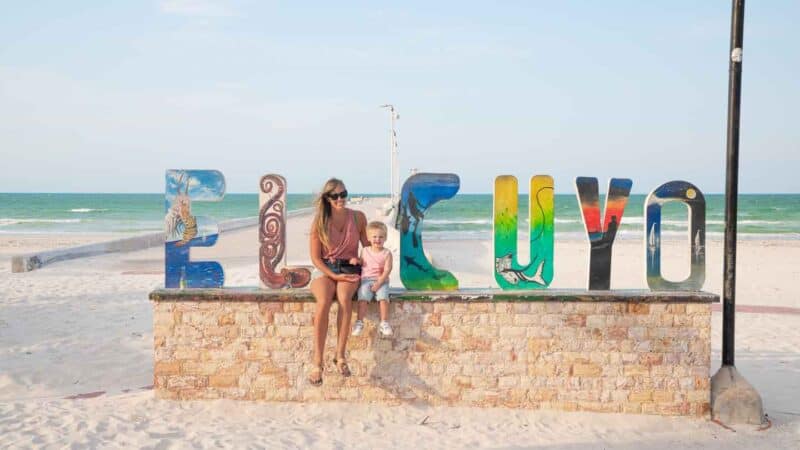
<point x="365" y="293"/>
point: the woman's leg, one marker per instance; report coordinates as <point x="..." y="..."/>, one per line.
<point x="323" y="289"/>
<point x="344" y="294"/>
<point x="339" y="318"/>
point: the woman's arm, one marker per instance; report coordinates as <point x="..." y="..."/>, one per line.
<point x="315" y="247"/>
<point x="358" y="260"/>
<point x="361" y="223"/>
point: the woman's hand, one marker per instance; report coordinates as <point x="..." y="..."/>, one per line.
<point x="347" y="278"/>
<point x="354" y="262"/>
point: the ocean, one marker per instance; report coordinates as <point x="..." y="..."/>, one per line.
<point x="466" y="216"/>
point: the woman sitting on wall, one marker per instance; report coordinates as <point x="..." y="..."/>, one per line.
<point x="335" y="233"/>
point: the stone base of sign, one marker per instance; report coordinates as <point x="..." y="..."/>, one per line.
<point x="734" y="400"/>
<point x="611" y="351"/>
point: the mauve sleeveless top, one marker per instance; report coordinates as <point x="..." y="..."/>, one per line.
<point x="343" y="244"/>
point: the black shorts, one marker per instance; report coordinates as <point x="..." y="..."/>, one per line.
<point x="338" y="267"/>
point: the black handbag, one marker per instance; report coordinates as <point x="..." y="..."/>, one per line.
<point x="343" y="266"/>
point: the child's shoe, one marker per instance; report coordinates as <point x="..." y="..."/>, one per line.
<point x="358" y="327"/>
<point x="385" y="329"/>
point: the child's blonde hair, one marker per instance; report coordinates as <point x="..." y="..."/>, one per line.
<point x="376" y="225"/>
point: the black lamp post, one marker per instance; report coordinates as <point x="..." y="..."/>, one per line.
<point x="733" y="399"/>
<point x="732" y="183"/>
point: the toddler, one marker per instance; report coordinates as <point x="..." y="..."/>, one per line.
<point x="376" y="265"/>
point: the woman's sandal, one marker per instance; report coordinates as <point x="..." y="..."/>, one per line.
<point x="341" y="364"/>
<point x="315" y="375"/>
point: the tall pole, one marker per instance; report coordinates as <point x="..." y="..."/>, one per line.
<point x="394" y="176"/>
<point x="732" y="183"/>
<point x="395" y="169"/>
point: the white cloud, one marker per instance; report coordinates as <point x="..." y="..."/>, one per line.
<point x="196" y="8"/>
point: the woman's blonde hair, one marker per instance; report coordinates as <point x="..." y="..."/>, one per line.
<point x="323" y="207"/>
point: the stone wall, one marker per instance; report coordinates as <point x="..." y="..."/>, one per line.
<point x="611" y="356"/>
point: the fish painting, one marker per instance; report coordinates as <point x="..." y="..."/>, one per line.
<point x="503" y="266"/>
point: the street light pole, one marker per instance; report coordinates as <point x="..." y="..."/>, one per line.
<point x="394" y="176"/>
<point x="732" y="183"/>
<point x="733" y="399"/>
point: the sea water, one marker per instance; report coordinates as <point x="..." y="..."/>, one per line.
<point x="465" y="216"/>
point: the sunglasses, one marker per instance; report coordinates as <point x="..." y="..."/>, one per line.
<point x="335" y="196"/>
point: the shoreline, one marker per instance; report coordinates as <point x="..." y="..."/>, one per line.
<point x="760" y="267"/>
<point x="438" y="235"/>
<point x="25" y="262"/>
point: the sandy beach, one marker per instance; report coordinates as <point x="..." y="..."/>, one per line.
<point x="76" y="357"/>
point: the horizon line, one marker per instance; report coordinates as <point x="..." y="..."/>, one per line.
<point x="386" y="194"/>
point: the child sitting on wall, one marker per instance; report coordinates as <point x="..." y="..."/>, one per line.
<point x="376" y="265"/>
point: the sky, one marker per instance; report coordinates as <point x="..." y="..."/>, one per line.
<point x="99" y="96"/>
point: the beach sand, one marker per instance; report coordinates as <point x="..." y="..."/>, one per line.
<point x="83" y="329"/>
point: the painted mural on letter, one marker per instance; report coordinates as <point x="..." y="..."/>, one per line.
<point x="508" y="272"/>
<point x="689" y="194"/>
<point x="272" y="235"/>
<point x="419" y="193"/>
<point x="184" y="230"/>
<point x="601" y="238"/>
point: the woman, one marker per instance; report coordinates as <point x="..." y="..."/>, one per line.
<point x="335" y="233"/>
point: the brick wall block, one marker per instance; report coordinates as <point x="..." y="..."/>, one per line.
<point x="605" y="356"/>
